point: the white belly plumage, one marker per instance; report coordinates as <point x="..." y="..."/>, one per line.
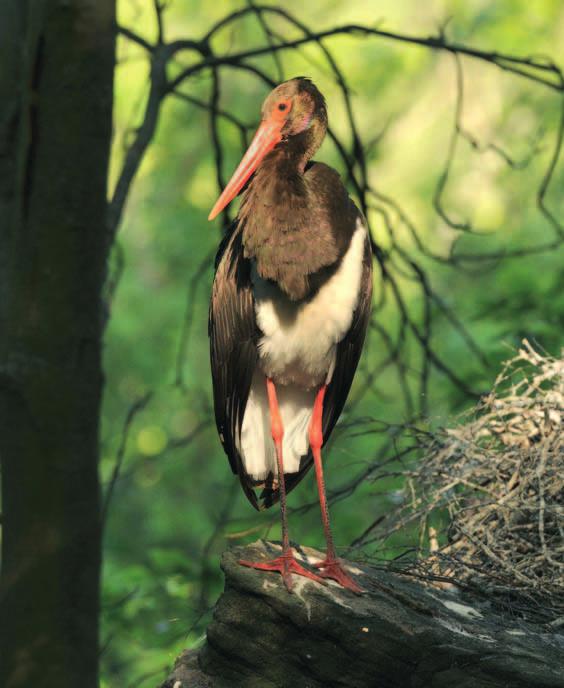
<point x="297" y="350"/>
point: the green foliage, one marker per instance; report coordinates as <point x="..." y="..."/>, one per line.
<point x="176" y="505"/>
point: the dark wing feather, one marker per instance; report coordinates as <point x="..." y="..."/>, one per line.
<point x="233" y="335"/>
<point x="348" y="356"/>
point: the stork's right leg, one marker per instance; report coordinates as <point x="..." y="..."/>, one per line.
<point x="331" y="566"/>
<point x="286" y="564"/>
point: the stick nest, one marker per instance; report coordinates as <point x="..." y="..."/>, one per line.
<point x="500" y="478"/>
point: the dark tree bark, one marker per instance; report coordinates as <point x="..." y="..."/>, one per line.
<point x="56" y="84"/>
<point x="399" y="634"/>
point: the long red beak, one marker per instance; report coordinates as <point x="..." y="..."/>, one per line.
<point x="267" y="136"/>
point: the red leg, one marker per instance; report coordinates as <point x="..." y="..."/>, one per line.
<point x="331" y="567"/>
<point x="286" y="564"/>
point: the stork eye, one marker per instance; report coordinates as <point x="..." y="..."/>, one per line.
<point x="282" y="106"/>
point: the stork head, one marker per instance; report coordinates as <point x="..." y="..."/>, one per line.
<point x="294" y="116"/>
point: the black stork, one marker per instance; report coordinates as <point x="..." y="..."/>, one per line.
<point x="289" y="310"/>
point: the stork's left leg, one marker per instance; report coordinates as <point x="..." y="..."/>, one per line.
<point x="286" y="563"/>
<point x="331" y="567"/>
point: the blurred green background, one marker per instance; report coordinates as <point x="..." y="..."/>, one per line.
<point x="176" y="506"/>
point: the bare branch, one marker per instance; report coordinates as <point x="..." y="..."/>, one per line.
<point x="134" y="409"/>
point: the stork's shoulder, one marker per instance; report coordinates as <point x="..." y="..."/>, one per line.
<point x="335" y="205"/>
<point x="315" y="170"/>
<point x="320" y="175"/>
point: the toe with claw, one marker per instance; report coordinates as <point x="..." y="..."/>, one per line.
<point x="286" y="565"/>
<point x="333" y="568"/>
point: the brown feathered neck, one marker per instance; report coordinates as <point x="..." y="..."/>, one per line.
<point x="297" y="222"/>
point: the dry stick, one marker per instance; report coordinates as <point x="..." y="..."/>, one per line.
<point x="451" y="153"/>
<point x="186" y="329"/>
<point x="270" y="37"/>
<point x="203" y="105"/>
<point x="435" y="299"/>
<point x="530" y="68"/>
<point x="160" y="6"/>
<point x="134" y="409"/>
<point x="221" y="523"/>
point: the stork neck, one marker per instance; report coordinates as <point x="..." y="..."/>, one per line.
<point x="289" y="158"/>
<point x="279" y="176"/>
<point x="292" y="156"/>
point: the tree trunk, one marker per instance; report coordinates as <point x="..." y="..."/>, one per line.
<point x="399" y="634"/>
<point x="56" y="85"/>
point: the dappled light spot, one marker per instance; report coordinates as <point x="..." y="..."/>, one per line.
<point x="151" y="440"/>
